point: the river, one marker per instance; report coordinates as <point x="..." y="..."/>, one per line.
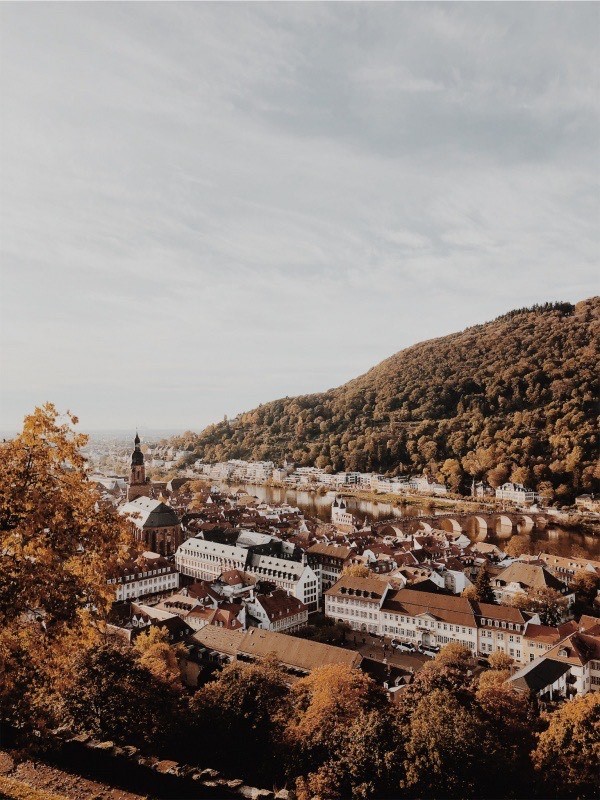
<point x="552" y="539"/>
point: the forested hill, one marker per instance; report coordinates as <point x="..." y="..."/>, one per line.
<point x="514" y="398"/>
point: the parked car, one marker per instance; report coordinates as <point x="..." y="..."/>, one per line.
<point x="430" y="649"/>
<point x="403" y="646"/>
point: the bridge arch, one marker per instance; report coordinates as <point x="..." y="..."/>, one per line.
<point x="526" y="523"/>
<point x="504" y="525"/>
<point x="480" y="527"/>
<point x="450" y="524"/>
<point x="424" y="527"/>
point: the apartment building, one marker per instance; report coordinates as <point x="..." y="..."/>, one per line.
<point x="150" y="574"/>
<point x="206" y="560"/>
<point x="356" y="602"/>
<point x="328" y="561"/>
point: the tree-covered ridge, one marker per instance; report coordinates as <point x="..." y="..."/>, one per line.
<point x="514" y="398"/>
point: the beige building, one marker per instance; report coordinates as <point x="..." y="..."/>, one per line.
<point x="356" y="602"/>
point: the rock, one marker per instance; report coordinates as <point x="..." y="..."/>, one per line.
<point x="210" y="773"/>
<point x="285" y="794"/>
<point x="234" y="784"/>
<point x="167" y="767"/>
<point x="252" y="793"/>
<point x="102" y="745"/>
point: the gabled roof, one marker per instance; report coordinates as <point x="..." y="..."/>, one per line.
<point x="588" y="623"/>
<point x="334" y="550"/>
<point x="446" y="608"/>
<point x="500" y="613"/>
<point x="279" y="605"/>
<point x="577" y="649"/>
<point x="532" y="576"/>
<point x="296" y="653"/>
<point x="232" y="577"/>
<point x="222" y="640"/>
<point x="547" y="634"/>
<point x="539" y="674"/>
<point x="367" y="588"/>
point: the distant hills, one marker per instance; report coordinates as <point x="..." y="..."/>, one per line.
<point x="516" y="398"/>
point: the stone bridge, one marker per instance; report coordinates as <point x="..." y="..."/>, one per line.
<point x="476" y="525"/>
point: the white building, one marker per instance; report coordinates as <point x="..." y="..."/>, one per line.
<point x="206" y="560"/>
<point x="277" y="611"/>
<point x="340" y="514"/>
<point x="151" y="574"/>
<point x="515" y="493"/>
<point x="357" y="602"/>
<point x="428" y="618"/>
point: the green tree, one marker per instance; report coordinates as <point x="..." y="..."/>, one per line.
<point x="483" y="588"/>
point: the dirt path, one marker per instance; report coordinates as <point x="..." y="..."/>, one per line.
<point x="55" y="782"/>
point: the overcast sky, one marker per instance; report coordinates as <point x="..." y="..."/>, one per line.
<point x="208" y="206"/>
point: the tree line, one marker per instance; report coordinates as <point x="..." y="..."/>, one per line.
<point x="514" y="399"/>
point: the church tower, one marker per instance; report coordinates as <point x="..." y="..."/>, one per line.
<point x="138" y="485"/>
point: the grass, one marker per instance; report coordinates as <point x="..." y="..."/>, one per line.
<point x="18" y="790"/>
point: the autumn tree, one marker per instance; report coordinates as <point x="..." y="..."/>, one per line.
<point x="518" y="545"/>
<point x="57" y="544"/>
<point x="339" y="734"/>
<point x="158" y="656"/>
<point x="243" y="709"/>
<point x="356" y="571"/>
<point x="509" y="723"/>
<point x="442" y="740"/>
<point x="451" y="670"/>
<point x="547" y="602"/>
<point x="568" y="751"/>
<point x="500" y="660"/>
<point x="491" y="678"/>
<point x="113" y="696"/>
<point x="585" y="585"/>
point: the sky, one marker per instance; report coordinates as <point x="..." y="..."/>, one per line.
<point x="206" y="206"/>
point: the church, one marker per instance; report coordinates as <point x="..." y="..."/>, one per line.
<point x="155" y="523"/>
<point x="139" y="484"/>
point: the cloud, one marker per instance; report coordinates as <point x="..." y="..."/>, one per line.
<point x="208" y="205"/>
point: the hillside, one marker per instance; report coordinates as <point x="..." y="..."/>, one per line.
<point x="514" y="398"/>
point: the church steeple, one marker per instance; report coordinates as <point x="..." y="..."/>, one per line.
<point x="137" y="479"/>
<point x="137" y="457"/>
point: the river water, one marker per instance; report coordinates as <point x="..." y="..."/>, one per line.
<point x="552" y="539"/>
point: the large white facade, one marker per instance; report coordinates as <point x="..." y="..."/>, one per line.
<point x="206" y="560"/>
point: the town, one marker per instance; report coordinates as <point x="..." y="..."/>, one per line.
<point x="235" y="578"/>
